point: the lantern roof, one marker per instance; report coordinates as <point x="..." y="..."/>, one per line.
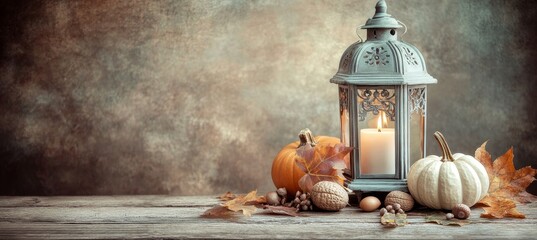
<point x="382" y="59"/>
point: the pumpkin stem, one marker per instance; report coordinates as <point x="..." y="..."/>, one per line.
<point x="306" y="137"/>
<point x="446" y="151"/>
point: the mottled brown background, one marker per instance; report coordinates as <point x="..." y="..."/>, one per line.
<point x="197" y="97"/>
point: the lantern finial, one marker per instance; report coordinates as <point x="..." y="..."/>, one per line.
<point x="381" y="19"/>
<point x="381" y="7"/>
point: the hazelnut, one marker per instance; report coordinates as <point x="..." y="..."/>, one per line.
<point x="329" y="196"/>
<point x="383" y="211"/>
<point x="282" y="192"/>
<point x="389" y="207"/>
<point x="461" y="211"/>
<point x="273" y="198"/>
<point x="404" y="199"/>
<point x="401" y="211"/>
<point x="396" y="206"/>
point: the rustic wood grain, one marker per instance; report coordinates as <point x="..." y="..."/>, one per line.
<point x="113" y="217"/>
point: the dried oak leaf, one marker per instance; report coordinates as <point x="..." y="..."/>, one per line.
<point x="507" y="185"/>
<point x="440" y="218"/>
<point x="245" y="203"/>
<point x="321" y="163"/>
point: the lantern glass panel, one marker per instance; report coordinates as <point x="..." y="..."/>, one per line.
<point x="376" y="131"/>
<point x="344" y="115"/>
<point x="416" y="110"/>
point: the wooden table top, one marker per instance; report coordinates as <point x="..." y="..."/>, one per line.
<point x="112" y="217"/>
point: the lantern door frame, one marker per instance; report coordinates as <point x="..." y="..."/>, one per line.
<point x="403" y="102"/>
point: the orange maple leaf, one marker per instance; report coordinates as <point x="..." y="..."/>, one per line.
<point x="321" y="163"/>
<point x="507" y="185"/>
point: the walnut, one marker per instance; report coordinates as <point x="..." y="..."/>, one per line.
<point x="329" y="196"/>
<point x="402" y="198"/>
<point x="461" y="211"/>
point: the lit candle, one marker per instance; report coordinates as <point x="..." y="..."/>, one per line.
<point x="377" y="149"/>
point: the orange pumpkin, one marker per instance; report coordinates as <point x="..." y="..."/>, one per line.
<point x="285" y="172"/>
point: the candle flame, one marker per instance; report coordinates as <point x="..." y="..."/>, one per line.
<point x="382" y="121"/>
<point x="379" y="123"/>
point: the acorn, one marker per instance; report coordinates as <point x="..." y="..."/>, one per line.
<point x="461" y="211"/>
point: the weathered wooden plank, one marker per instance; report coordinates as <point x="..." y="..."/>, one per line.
<point x="192" y="215"/>
<point x="109" y="201"/>
<point x="178" y="217"/>
<point x="265" y="230"/>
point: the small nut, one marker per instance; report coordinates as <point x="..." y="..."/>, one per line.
<point x="461" y="211"/>
<point x="273" y="198"/>
<point x="401" y="211"/>
<point x="298" y="193"/>
<point x="396" y="206"/>
<point x="282" y="192"/>
<point x="392" y="211"/>
<point x="383" y="211"/>
<point x="449" y="216"/>
<point x="389" y="207"/>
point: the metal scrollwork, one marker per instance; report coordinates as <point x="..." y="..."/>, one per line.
<point x="377" y="56"/>
<point x="417" y="100"/>
<point x="376" y="100"/>
<point x="410" y="59"/>
<point x="343" y="99"/>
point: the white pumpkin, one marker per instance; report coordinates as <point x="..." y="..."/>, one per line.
<point x="442" y="182"/>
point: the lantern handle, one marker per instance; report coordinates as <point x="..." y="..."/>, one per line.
<point x="357" y="34"/>
<point x="404" y="25"/>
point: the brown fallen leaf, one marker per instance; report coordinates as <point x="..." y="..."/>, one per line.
<point x="243" y="203"/>
<point x="219" y="211"/>
<point x="507" y="185"/>
<point x="440" y="218"/>
<point x="227" y="196"/>
<point x="282" y="210"/>
<point x="393" y="220"/>
<point x="321" y="163"/>
<point x="248" y="204"/>
<point x="500" y="207"/>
